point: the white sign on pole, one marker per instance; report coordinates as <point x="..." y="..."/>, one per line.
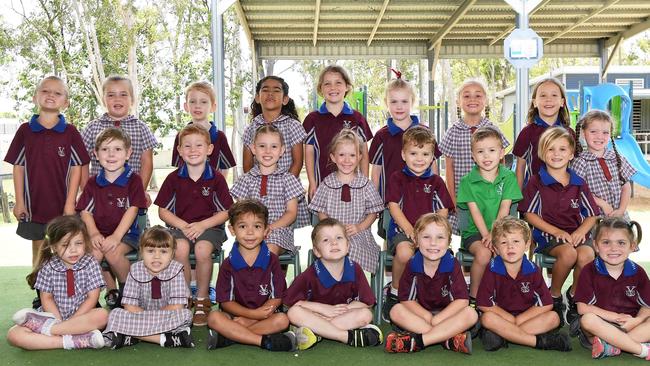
<point x="523" y="6"/>
<point x="523" y="48"/>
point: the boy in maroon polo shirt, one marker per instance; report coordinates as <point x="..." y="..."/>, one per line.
<point x="613" y="294"/>
<point x="250" y="286"/>
<point x="332" y="298"/>
<point x="516" y="304"/>
<point x="194" y="201"/>
<point x="412" y="192"/>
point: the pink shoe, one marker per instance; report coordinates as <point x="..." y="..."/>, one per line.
<point x="602" y="349"/>
<point x="92" y="339"/>
<point x="34" y="320"/>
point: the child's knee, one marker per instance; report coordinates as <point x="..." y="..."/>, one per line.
<point x="13" y="335"/>
<point x="589" y="320"/>
<point x="585" y="257"/>
<point x="470" y="315"/>
<point x="482" y="255"/>
<point x="568" y="255"/>
<point x="489" y="320"/>
<point x="280" y="321"/>
<point x="403" y="252"/>
<point x="100" y="317"/>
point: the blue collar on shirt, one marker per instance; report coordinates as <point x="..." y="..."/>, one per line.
<point x="35" y="126"/>
<point x="213" y="132"/>
<point x="540" y="122"/>
<point x="393" y="129"/>
<point x="427" y="173"/>
<point x="547" y="179"/>
<point x="346" y="109"/>
<point x="629" y="267"/>
<point x="497" y="266"/>
<point x="208" y="172"/>
<point x="326" y="278"/>
<point x="121" y="181"/>
<point x="446" y="263"/>
<point x="262" y="261"/>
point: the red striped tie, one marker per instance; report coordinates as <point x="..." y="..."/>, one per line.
<point x="155" y="288"/>
<point x="605" y="168"/>
<point x="345" y="193"/>
<point x="265" y="180"/>
<point x="69" y="281"/>
<point x="472" y="130"/>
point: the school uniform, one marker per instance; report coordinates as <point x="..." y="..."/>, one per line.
<point x="108" y="202"/>
<point x="152" y="293"/>
<point x="322" y="126"/>
<point x="221" y="157"/>
<point x="250" y="286"/>
<point x="564" y="207"/>
<point x="514" y="295"/>
<point x="316" y="284"/>
<point x="279" y="187"/>
<point x="291" y="130"/>
<point x="433" y="293"/>
<point x="69" y="286"/>
<point x="351" y="204"/>
<point x="47" y="155"/>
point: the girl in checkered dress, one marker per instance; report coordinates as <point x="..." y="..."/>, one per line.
<point x="69" y="280"/>
<point x="350" y="197"/>
<point x="607" y="172"/>
<point x="154" y="299"/>
<point x="279" y="190"/>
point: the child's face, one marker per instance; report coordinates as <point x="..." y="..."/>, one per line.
<point x="249" y="230"/>
<point x="399" y="103"/>
<point x="271" y="96"/>
<point x="418" y="158"/>
<point x="71" y="248"/>
<point x="487" y="153"/>
<point x="199" y="105"/>
<point x="512" y="246"/>
<point x="333" y="87"/>
<point x="267" y="149"/>
<point x="433" y="241"/>
<point x="559" y="154"/>
<point x="117" y="99"/>
<point x="472" y="100"/>
<point x="51" y="96"/>
<point x="194" y="149"/>
<point x="548" y="100"/>
<point x="112" y="155"/>
<point x="597" y="135"/>
<point x="156" y="259"/>
<point x="346" y="157"/>
<point x="331" y="243"/>
<point x="614" y="246"/>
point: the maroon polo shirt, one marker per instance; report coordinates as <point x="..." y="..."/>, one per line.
<point x="321" y="126"/>
<point x="47" y="156"/>
<point x="317" y="284"/>
<point x="433" y="293"/>
<point x="194" y="201"/>
<point x="108" y="202"/>
<point x="514" y="295"/>
<point x="626" y="295"/>
<point x="221" y="157"/>
<point x="250" y="286"/>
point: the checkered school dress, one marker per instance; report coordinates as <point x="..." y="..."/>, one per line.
<point x="141" y="139"/>
<point x="281" y="187"/>
<point x="137" y="291"/>
<point x="364" y="200"/>
<point x="587" y="166"/>
<point x="52" y="279"/>
<point x="292" y="133"/>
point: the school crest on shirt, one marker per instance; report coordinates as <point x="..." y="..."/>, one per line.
<point x="630" y="291"/>
<point x="444" y="292"/>
<point x="264" y="290"/>
<point x="499" y="189"/>
<point x="347" y="124"/>
<point x="121" y="202"/>
<point x="525" y="287"/>
<point x="427" y="188"/>
<point x="61" y="151"/>
<point x="575" y="203"/>
<point x="205" y="191"/>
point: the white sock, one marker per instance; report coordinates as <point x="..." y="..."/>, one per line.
<point x="162" y="339"/>
<point x="393" y="291"/>
<point x="67" y="342"/>
<point x="644" y="351"/>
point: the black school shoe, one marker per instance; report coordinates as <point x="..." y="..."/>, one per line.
<point x="557" y="341"/>
<point x="113" y="299"/>
<point x="279" y="342"/>
<point x="560" y="308"/>
<point x="492" y="341"/>
<point x="572" y="308"/>
<point x="179" y="339"/>
<point x="390" y="300"/>
<point x="114" y="340"/>
<point x="216" y="340"/>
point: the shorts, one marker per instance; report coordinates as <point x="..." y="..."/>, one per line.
<point x="552" y="243"/>
<point x="31" y="230"/>
<point x="396" y="239"/>
<point x="131" y="241"/>
<point x="381" y="229"/>
<point x="466" y="243"/>
<point x="215" y="236"/>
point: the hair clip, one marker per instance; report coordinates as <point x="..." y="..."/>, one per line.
<point x="397" y="73"/>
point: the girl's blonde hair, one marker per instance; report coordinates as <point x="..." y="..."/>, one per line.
<point x="563" y="114"/>
<point x="116" y="79"/>
<point x="157" y="237"/>
<point x="344" y="136"/>
<point x="619" y="223"/>
<point x="583" y="124"/>
<point x="551" y="135"/>
<point x="55" y="232"/>
<point x="335" y="69"/>
<point x="399" y="83"/>
<point x="268" y="128"/>
<point x="432" y="218"/>
<point x="54" y="78"/>
<point x="471" y="81"/>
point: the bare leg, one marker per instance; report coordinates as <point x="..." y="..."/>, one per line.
<point x="36" y="247"/>
<point x="585" y="255"/>
<point x="482" y="256"/>
<point x="94" y="319"/>
<point x="403" y="252"/>
<point x="26" y="339"/>
<point x="541" y="324"/>
<point x="566" y="257"/>
<point x="595" y="325"/>
<point x="335" y="329"/>
<point x="451" y="326"/>
<point x="275" y="249"/>
<point x="118" y="262"/>
<point x="155" y="339"/>
<point x="203" y="254"/>
<point x="183" y="256"/>
<point x="507" y="330"/>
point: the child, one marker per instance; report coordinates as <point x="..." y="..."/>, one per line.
<point x="200" y="102"/>
<point x="487" y="192"/>
<point x="154" y="298"/>
<point x="47" y="154"/>
<point x="194" y="202"/>
<point x="433" y="297"/>
<point x="332" y="298"/>
<point x="559" y="204"/>
<point x="280" y="191"/>
<point x="548" y="107"/>
<point x="513" y="296"/>
<point x="250" y="286"/>
<point x="322" y="125"/>
<point x="69" y="280"/>
<point x="613" y="294"/>
<point x="273" y="106"/>
<point x="110" y="201"/>
<point x="348" y="196"/>
<point x="412" y="192"/>
<point x="607" y="172"/>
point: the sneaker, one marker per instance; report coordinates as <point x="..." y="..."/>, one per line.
<point x="492" y="341"/>
<point x="201" y="310"/>
<point x="93" y="339"/>
<point x="476" y="328"/>
<point x="280" y="342"/>
<point x="112" y="299"/>
<point x="560" y="308"/>
<point x="114" y="340"/>
<point x="576" y="331"/>
<point x="389" y="301"/>
<point x="305" y="338"/>
<point x="212" y="294"/>
<point x="216" y="340"/>
<point x="602" y="349"/>
<point x="572" y="307"/>
<point x="36" y="321"/>
<point x="557" y="341"/>
<point x="366" y="336"/>
<point x="36" y="303"/>
<point x="179" y="339"/>
<point x="401" y="343"/>
<point x="461" y="342"/>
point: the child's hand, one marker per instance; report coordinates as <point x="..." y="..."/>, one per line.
<point x="195" y="230"/>
<point x="352" y="229"/>
<point x="628" y="322"/>
<point x="110" y="243"/>
<point x="267" y="310"/>
<point x="311" y="190"/>
<point x="606" y="207"/>
<point x="487" y="241"/>
<point x="562" y="237"/>
<point x="333" y="311"/>
<point x="98" y="241"/>
<point x="20" y="212"/>
<point x="68" y="209"/>
<point x="410" y="233"/>
<point x="577" y="238"/>
<point x="616" y="213"/>
<point x="147" y="198"/>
